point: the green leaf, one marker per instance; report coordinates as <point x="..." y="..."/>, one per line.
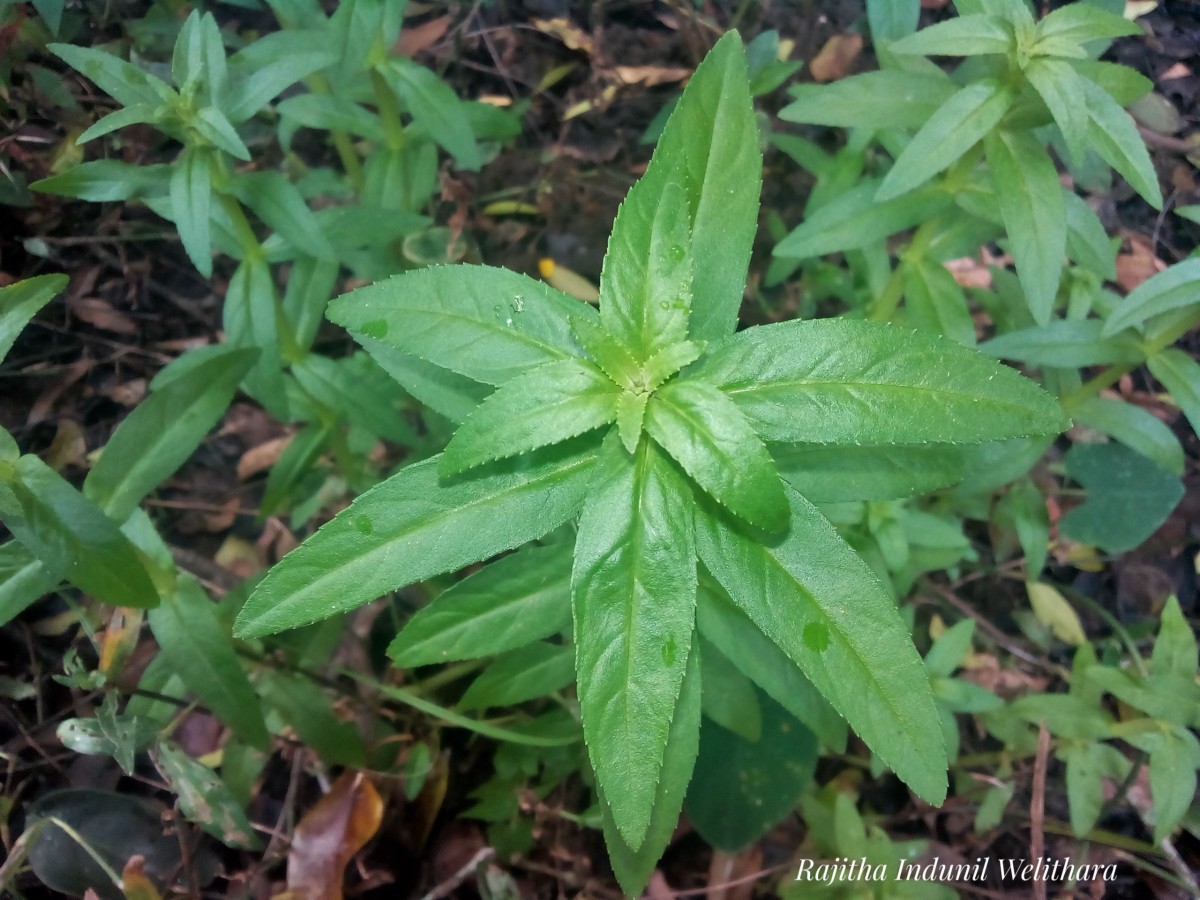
<point x="124" y="82"/>
<point x="297" y="461"/>
<point x="446" y="393"/>
<point x="1066" y="715"/>
<point x="23" y="579"/>
<point x="820" y="603"/>
<point x="610" y="354"/>
<point x="412" y="527"/>
<point x="280" y="205"/>
<point x="962" y="36"/>
<point x="710" y="438"/>
<point x="553" y="403"/>
<point x="936" y="303"/>
<point x="1134" y="427"/>
<point x="1082" y="22"/>
<point x="1112" y="134"/>
<point x="1087" y="766"/>
<point x="525" y="673"/>
<point x="960" y="123"/>
<point x="354" y="388"/>
<point x="1061" y="89"/>
<point x="331" y="113"/>
<point x="742" y="788"/>
<point x="634" y="596"/>
<point x="1129" y="496"/>
<point x="1064" y="343"/>
<point x="514" y="601"/>
<point x="436" y="108"/>
<point x="485" y="323"/>
<point x="201" y="652"/>
<point x="710" y="147"/>
<point x="1031" y="204"/>
<point x="1173" y="764"/>
<point x="947" y="652"/>
<point x="251" y="319"/>
<point x="728" y="697"/>
<point x="1179" y="374"/>
<point x="646" y="284"/>
<point x="20" y="302"/>
<point x="1121" y="83"/>
<point x="309" y="286"/>
<point x="199" y="56"/>
<point x="104" y="180"/>
<point x="163" y="431"/>
<point x="269" y="64"/>
<point x="875" y="100"/>
<point x="855" y="219"/>
<point x="1087" y="243"/>
<point x="832" y="474"/>
<point x="631" y="418"/>
<point x="851" y="382"/>
<point x="127" y="115"/>
<point x="210" y="123"/>
<point x="69" y="534"/>
<point x="308" y="711"/>
<point x="633" y="867"/>
<point x="191" y="199"/>
<point x="1175" y="649"/>
<point x="204" y="798"/>
<point x="1173" y="288"/>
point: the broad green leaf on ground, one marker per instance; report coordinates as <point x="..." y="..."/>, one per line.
<point x="634" y="594"/>
<point x="436" y="108"/>
<point x="1174" y="759"/>
<point x="447" y="393"/>
<point x="709" y="437"/>
<point x="633" y="867"/>
<point x="888" y="99"/>
<point x="742" y="788"/>
<point x="1088" y="764"/>
<point x="485" y="323"/>
<point x="1031" y="204"/>
<point x="1065" y="343"/>
<point x="531" y="671"/>
<point x="1112" y="134"/>
<point x="855" y="219"/>
<point x="104" y="180"/>
<point x="23" y="579"/>
<point x="954" y="129"/>
<point x="65" y="530"/>
<point x="1129" y="496"/>
<point x="646" y="284"/>
<point x="710" y="147"/>
<point x="191" y="201"/>
<point x="124" y="82"/>
<point x="549" y="404"/>
<point x="204" y="798"/>
<point x="1175" y="653"/>
<point x="936" y="303"/>
<point x="832" y="474"/>
<point x="514" y="601"/>
<point x="1179" y="374"/>
<point x="198" y="645"/>
<point x="962" y="36"/>
<point x="20" y="302"/>
<point x="730" y="630"/>
<point x="814" y="597"/>
<point x="840" y="381"/>
<point x="1134" y="427"/>
<point x="412" y="527"/>
<point x="1173" y="288"/>
<point x="163" y="431"/>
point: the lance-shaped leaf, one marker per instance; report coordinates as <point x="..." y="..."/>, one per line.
<point x="1031" y="204"/>
<point x="191" y="199"/>
<point x="832" y="474"/>
<point x="23" y="579"/>
<point x="198" y="645"/>
<point x="840" y="381"/>
<point x="436" y="108"/>
<point x="104" y="180"/>
<point x="158" y="437"/>
<point x="521" y="598"/>
<point x="485" y="323"/>
<point x="708" y="435"/>
<point x="413" y="527"/>
<point x="887" y="99"/>
<point x="710" y="146"/>
<point x="65" y="530"/>
<point x="1061" y="89"/>
<point x="633" y="867"/>
<point x="204" y="798"/>
<point x="820" y="603"/>
<point x="646" y="284"/>
<point x="964" y="36"/>
<point x="950" y="132"/>
<point x="552" y="403"/>
<point x="1179" y="374"/>
<point x="124" y="82"/>
<point x="1173" y="288"/>
<point x="634" y="592"/>
<point x="1065" y="342"/>
<point x="20" y="302"/>
<point x="1112" y="134"/>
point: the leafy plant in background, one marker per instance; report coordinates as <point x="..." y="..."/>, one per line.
<point x="652" y="423"/>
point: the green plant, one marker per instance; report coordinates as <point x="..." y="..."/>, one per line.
<point x="651" y="423"/>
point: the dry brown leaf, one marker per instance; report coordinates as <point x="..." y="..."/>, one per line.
<point x="415" y="38"/>
<point x="986" y="671"/>
<point x="1179" y="70"/>
<point x="69" y="448"/>
<point x="1139" y="263"/>
<point x="97" y="312"/>
<point x="649" y="76"/>
<point x="40" y="411"/>
<point x="260" y="458"/>
<point x="969" y="272"/>
<point x="134" y="882"/>
<point x="239" y="557"/>
<point x="574" y="37"/>
<point x="119" y="640"/>
<point x="833" y="62"/>
<point x="224" y="517"/>
<point x="336" y="828"/>
<point x="127" y="393"/>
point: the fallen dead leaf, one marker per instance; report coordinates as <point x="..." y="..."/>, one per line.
<point x="239" y="557"/>
<point x="649" y="76"/>
<point x="134" y="882"/>
<point x="224" y="517"/>
<point x="834" y="59"/>
<point x="69" y="448"/>
<point x="1138" y="263"/>
<point x="969" y="272"/>
<point x="336" y="828"/>
<point x="1179" y="70"/>
<point x="985" y="670"/>
<point x="127" y="393"/>
<point x="572" y="36"/>
<point x="98" y="312"/>
<point x="415" y="38"/>
<point x="262" y="457"/>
